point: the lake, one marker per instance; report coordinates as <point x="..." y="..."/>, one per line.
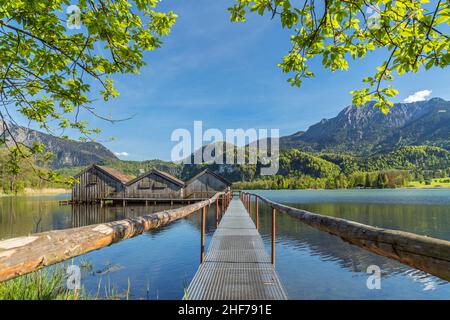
<point x="311" y="264"/>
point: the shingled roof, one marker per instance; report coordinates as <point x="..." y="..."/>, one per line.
<point x="198" y="175"/>
<point x="162" y="174"/>
<point x="113" y="173"/>
<point x="122" y="177"/>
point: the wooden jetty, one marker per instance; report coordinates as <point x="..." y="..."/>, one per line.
<point x="236" y="266"/>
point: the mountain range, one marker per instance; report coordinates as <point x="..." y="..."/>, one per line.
<point x="359" y="131"/>
<point x="67" y="153"/>
<point x="366" y="130"/>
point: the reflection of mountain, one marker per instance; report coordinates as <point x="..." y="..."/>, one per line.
<point x="299" y="237"/>
<point x="21" y="216"/>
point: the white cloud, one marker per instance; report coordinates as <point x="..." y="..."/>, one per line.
<point x="122" y="154"/>
<point x="418" y="96"/>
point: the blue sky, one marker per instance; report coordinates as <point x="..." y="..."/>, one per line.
<point x="226" y="75"/>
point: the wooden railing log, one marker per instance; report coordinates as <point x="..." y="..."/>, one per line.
<point x="19" y="256"/>
<point x="421" y="252"/>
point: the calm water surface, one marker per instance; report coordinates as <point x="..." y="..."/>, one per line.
<point x="311" y="264"/>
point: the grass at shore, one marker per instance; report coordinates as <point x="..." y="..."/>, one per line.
<point x="433" y="183"/>
<point x="46" y="284"/>
<point x="51" y="284"/>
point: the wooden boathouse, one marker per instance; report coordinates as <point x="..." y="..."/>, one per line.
<point x="98" y="182"/>
<point x="205" y="184"/>
<point x="155" y="184"/>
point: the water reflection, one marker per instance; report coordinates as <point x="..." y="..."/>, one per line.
<point x="158" y="264"/>
<point x="312" y="264"/>
<point x="87" y="214"/>
<point x="24" y="215"/>
<point x="315" y="252"/>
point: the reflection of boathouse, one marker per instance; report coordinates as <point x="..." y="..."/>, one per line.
<point x="99" y="183"/>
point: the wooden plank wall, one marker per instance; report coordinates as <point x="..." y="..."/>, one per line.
<point x="86" y="192"/>
<point x="170" y="191"/>
<point x="204" y="186"/>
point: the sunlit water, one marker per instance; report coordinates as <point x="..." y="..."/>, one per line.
<point x="311" y="263"/>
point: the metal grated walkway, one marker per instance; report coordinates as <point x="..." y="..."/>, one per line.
<point x="236" y="265"/>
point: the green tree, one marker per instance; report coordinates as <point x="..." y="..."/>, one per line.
<point x="382" y="180"/>
<point x="367" y="181"/>
<point x="51" y="73"/>
<point x="411" y="32"/>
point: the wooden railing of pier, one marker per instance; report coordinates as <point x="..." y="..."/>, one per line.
<point x="421" y="252"/>
<point x="22" y="255"/>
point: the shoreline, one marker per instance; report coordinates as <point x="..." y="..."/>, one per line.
<point x="37" y="192"/>
<point x="56" y="191"/>
<point x="400" y="188"/>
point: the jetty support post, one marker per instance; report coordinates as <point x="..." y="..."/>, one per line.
<point x="245" y="201"/>
<point x="217" y="212"/>
<point x="273" y="235"/>
<point x="202" y="239"/>
<point x="257" y="212"/>
<point x="248" y="202"/>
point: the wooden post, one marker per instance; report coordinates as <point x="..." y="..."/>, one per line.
<point x="249" y="204"/>
<point x="273" y="235"/>
<point x="257" y="212"/>
<point x="222" y="203"/>
<point x="247" y="201"/>
<point x="202" y="245"/>
<point x="217" y="213"/>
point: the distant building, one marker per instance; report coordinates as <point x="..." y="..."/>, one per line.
<point x="155" y="184"/>
<point x="98" y="182"/>
<point x="205" y="184"/>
